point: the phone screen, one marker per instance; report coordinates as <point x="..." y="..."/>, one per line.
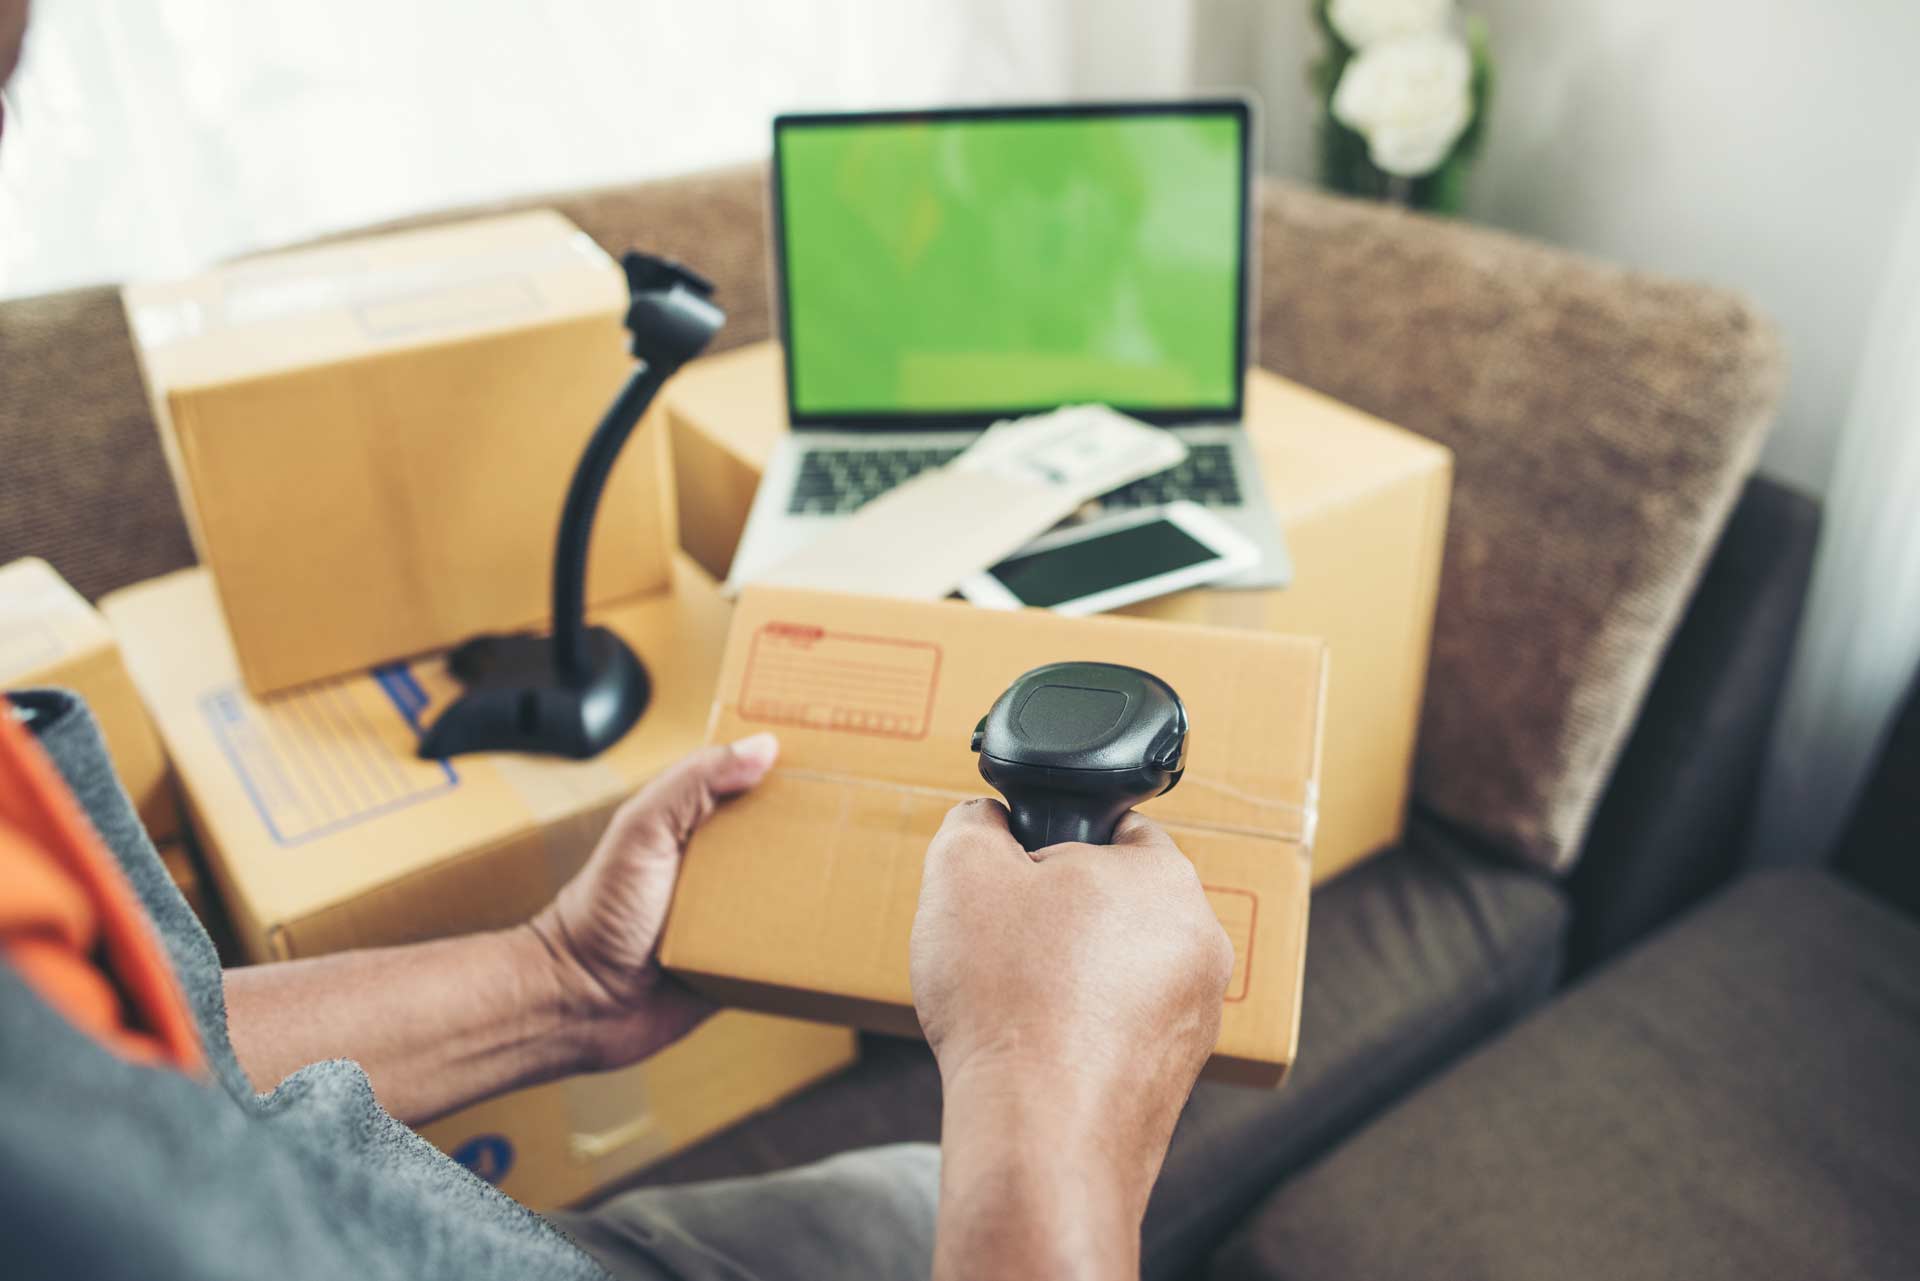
<point x="1061" y="574"/>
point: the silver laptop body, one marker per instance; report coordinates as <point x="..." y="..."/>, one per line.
<point x="823" y="470"/>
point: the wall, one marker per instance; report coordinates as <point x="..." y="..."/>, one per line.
<point x="1862" y="636"/>
<point x="1762" y="146"/>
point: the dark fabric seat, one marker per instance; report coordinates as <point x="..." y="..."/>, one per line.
<point x="1415" y="956"/>
<point x="1739" y="1098"/>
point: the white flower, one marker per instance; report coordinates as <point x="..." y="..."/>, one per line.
<point x="1410" y="98"/>
<point x="1367" y="22"/>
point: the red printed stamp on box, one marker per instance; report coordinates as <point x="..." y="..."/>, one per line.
<point x="800" y="674"/>
<point x="1239" y="913"/>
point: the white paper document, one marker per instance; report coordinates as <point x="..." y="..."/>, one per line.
<point x="1022" y="477"/>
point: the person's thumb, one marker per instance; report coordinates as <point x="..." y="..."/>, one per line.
<point x="679" y="800"/>
<point x="740" y="764"/>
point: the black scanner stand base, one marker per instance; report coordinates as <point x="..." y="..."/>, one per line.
<point x="575" y="693"/>
<point x="520" y="698"/>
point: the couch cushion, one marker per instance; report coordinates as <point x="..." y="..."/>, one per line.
<point x="84" y="483"/>
<point x="1601" y="422"/>
<point x="1736" y="1099"/>
<point x="1415" y="956"/>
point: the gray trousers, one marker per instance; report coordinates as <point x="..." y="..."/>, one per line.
<point x="866" y="1214"/>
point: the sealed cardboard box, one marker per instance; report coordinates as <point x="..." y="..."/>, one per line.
<point x="372" y="439"/>
<point x="190" y="877"/>
<point x="555" y="1144"/>
<point x="799" y="897"/>
<point x="324" y="828"/>
<point x="1362" y="504"/>
<point x="49" y="635"/>
<point x="325" y="832"/>
<point x="187" y="878"/>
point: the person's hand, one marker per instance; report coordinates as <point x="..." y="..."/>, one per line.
<point x="1071" y="996"/>
<point x="603" y="928"/>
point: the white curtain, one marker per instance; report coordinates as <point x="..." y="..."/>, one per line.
<point x="1861" y="642"/>
<point x="153" y="136"/>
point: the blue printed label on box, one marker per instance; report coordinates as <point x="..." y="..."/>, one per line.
<point x="323" y="758"/>
<point x="488" y="1155"/>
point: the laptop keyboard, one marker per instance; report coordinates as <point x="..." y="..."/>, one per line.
<point x="1204" y="476"/>
<point x="836" y="481"/>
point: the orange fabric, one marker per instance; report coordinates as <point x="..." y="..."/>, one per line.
<point x="69" y="922"/>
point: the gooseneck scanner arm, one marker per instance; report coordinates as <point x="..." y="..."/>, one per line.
<point x="578" y="691"/>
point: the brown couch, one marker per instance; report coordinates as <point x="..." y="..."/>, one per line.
<point x="1618" y="604"/>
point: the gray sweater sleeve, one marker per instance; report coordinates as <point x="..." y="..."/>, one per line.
<point x="112" y="1169"/>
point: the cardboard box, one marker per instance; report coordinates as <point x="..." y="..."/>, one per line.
<point x="187" y="877"/>
<point x="372" y="439"/>
<point x="1364" y="508"/>
<point x="555" y="1144"/>
<point x="323" y="828"/>
<point x="799" y="897"/>
<point x="49" y="635"/>
<point x="324" y="832"/>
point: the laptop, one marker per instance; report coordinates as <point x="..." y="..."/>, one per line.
<point x="938" y="271"/>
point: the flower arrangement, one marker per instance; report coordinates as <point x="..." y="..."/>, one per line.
<point x="1404" y="86"/>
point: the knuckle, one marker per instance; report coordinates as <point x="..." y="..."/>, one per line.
<point x="1219" y="955"/>
<point x="971" y="843"/>
<point x="634" y="807"/>
<point x="635" y="818"/>
<point x="1077" y="877"/>
<point x="958" y="854"/>
<point x="962" y="817"/>
<point x="1180" y="878"/>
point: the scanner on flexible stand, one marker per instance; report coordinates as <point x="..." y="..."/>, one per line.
<point x="578" y="691"/>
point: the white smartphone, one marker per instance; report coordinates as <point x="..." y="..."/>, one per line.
<point x="1115" y="561"/>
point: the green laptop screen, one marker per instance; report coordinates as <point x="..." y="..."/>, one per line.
<point x="982" y="265"/>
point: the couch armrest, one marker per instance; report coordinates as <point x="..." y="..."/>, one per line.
<point x="1674" y="813"/>
<point x="1878" y="850"/>
<point x="1602" y="423"/>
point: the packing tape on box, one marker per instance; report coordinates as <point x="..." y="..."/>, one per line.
<point x="391" y="301"/>
<point x="1305" y="812"/>
<point x="587" y="1145"/>
<point x="1294" y="820"/>
<point x="27" y="639"/>
<point x="569" y="801"/>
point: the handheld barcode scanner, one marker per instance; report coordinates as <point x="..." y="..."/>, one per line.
<point x="1073" y="746"/>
